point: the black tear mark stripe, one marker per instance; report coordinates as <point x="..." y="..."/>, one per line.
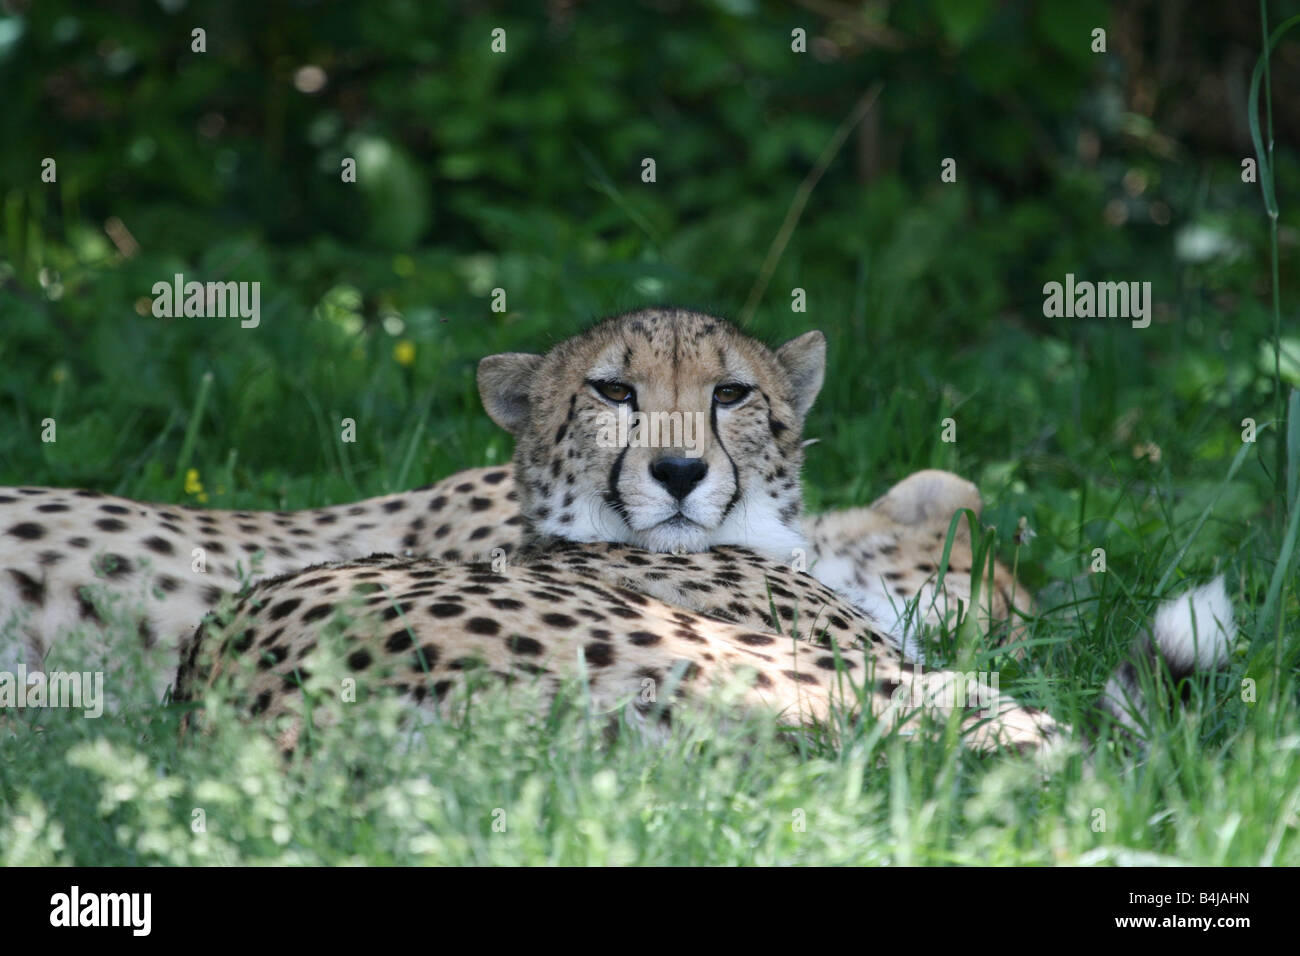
<point x="612" y="495"/>
<point x="735" y="472"/>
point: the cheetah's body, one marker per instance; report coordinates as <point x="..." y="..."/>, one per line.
<point x="65" y="554"/>
<point x="644" y="628"/>
<point x="738" y="487"/>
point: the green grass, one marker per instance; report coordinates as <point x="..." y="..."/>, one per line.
<point x="1100" y="435"/>
<point x="497" y="784"/>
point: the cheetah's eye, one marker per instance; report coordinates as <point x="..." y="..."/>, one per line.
<point x="730" y="393"/>
<point x="616" y="392"/>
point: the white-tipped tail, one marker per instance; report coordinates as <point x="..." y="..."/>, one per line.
<point x="1194" y="631"/>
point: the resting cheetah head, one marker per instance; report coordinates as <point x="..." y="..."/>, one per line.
<point x="710" y="448"/>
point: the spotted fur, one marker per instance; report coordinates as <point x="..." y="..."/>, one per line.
<point x="425" y="630"/>
<point x="65" y="553"/>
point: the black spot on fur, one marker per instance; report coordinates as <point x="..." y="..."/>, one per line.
<point x="398" y="641"/>
<point x="29" y="589"/>
<point x="519" y="644"/>
<point x="159" y="545"/>
<point x="827" y="663"/>
<point x="392" y="612"/>
<point x="599" y="653"/>
<point x="111" y="566"/>
<point x="284" y="608"/>
<point x="425" y="658"/>
<point x="272" y="657"/>
<point x="86" y="607"/>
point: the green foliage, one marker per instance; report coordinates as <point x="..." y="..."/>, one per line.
<point x="522" y="171"/>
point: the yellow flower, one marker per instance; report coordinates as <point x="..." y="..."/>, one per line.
<point x="404" y="352"/>
<point x="192" y="484"/>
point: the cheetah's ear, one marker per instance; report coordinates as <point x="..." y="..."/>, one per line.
<point x="804" y="360"/>
<point x="503" y="384"/>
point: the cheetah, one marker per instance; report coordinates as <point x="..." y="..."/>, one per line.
<point x="62" y="550"/>
<point x="641" y="558"/>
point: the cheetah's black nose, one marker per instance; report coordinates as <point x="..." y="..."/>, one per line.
<point x="679" y="475"/>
